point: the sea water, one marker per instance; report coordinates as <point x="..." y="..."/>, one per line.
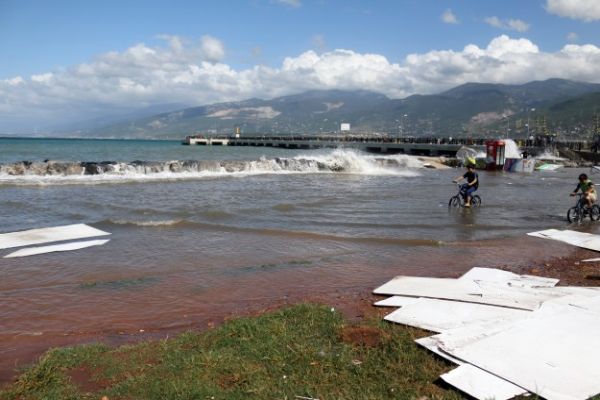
<point x="198" y="232"/>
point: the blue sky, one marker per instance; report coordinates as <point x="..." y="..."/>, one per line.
<point x="66" y="58"/>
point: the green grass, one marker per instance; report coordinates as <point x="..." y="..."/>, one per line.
<point x="304" y="350"/>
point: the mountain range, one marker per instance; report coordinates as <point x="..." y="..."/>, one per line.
<point x="473" y="109"/>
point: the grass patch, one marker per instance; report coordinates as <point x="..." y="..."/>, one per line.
<point x="304" y="350"/>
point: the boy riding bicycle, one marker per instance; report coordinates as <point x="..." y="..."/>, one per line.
<point x="587" y="189"/>
<point x="472" y="184"/>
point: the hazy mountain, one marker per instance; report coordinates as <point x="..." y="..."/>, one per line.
<point x="116" y="117"/>
<point x="469" y="109"/>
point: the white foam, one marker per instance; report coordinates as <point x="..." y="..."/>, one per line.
<point x="355" y="162"/>
<point x="169" y="222"/>
<point x="511" y="149"/>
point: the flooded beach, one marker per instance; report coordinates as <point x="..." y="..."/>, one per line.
<point x="190" y="247"/>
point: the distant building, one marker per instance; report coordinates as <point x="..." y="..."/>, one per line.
<point x="345" y="127"/>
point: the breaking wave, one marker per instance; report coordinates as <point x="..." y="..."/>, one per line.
<point x="336" y="161"/>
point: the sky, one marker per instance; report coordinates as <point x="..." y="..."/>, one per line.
<point x="70" y="60"/>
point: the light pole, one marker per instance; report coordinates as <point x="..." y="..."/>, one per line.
<point x="401" y="127"/>
<point x="528" y="112"/>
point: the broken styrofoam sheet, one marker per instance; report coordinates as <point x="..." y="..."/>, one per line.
<point x="31" y="251"/>
<point x="490" y="293"/>
<point x="46" y="235"/>
<point x="470" y="381"/>
<point x="545" y="234"/>
<point x="585" y="298"/>
<point x="552" y="353"/>
<point x="440" y="315"/>
<point x="463" y="335"/>
<point x="591" y="260"/>
<point x="431" y="344"/>
<point x="396" y="301"/>
<point x="430" y="287"/>
<point x="481" y="384"/>
<point x="579" y="239"/>
<point x="512" y="279"/>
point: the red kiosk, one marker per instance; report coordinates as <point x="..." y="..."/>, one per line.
<point x="495" y="154"/>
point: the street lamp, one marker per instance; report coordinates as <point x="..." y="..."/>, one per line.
<point x="401" y="126"/>
<point x="507" y="125"/>
<point x="528" y="110"/>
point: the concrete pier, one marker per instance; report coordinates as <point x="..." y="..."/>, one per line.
<point x="384" y="145"/>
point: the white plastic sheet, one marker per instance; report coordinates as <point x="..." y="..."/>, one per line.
<point x="579" y="239"/>
<point x="396" y="301"/>
<point x="482" y="292"/>
<point x="553" y="353"/>
<point x="31" y="251"/>
<point x="46" y="235"/>
<point x="440" y="315"/>
<point x="480" y="384"/>
<point x="512" y="279"/>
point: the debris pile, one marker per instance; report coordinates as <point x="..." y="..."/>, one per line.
<point x="509" y="334"/>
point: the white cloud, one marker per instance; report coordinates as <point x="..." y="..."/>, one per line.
<point x="517" y="25"/>
<point x="319" y="43"/>
<point x="212" y="48"/>
<point x="17" y="80"/>
<point x="187" y="73"/>
<point x="510" y="24"/>
<point x="586" y="10"/>
<point x="42" y="78"/>
<point x="449" y="17"/>
<point x="572" y="36"/>
<point x="290" y="3"/>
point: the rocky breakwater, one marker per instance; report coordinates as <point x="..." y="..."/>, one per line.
<point x="70" y="168"/>
<point x="341" y="164"/>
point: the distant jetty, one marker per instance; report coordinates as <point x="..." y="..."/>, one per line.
<point x="373" y="144"/>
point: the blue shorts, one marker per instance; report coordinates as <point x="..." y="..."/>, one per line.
<point x="468" y="190"/>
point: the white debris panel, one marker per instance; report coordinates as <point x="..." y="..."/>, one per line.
<point x="484" y="292"/>
<point x="554" y="353"/>
<point x="440" y="315"/>
<point x="580" y="239"/>
<point x="31" y="251"/>
<point x="47" y="235"/>
<point x="480" y="384"/>
<point x="396" y="301"/>
<point x="508" y="333"/>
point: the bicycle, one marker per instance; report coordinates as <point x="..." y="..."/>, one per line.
<point x="578" y="212"/>
<point x="458" y="200"/>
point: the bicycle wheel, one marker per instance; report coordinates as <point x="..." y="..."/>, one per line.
<point x="454" y="202"/>
<point x="476" y="201"/>
<point x="574" y="215"/>
<point x="595" y="212"/>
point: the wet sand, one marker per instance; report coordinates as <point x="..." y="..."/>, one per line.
<point x="349" y="292"/>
